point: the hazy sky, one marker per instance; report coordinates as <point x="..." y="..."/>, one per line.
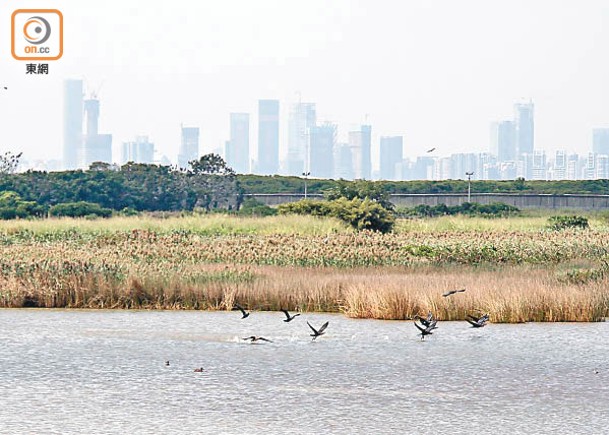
<point x="436" y="71"/>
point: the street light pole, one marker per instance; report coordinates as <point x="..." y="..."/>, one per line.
<point x="305" y="175"/>
<point x="469" y="185"/>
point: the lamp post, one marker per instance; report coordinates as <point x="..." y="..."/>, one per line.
<point x="305" y="175"/>
<point x="469" y="185"/>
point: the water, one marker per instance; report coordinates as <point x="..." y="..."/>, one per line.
<point x="104" y="372"/>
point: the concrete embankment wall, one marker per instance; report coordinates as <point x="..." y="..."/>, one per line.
<point x="522" y="201"/>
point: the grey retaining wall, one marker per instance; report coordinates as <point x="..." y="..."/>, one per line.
<point x="583" y="202"/>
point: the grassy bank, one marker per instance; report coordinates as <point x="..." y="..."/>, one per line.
<point x="515" y="271"/>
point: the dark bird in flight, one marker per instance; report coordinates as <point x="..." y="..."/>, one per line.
<point x="428" y="320"/>
<point x="289" y="318"/>
<point x="199" y="370"/>
<point x="431" y="150"/>
<point x="254" y="338"/>
<point x="477" y="322"/>
<point x="452" y="292"/>
<point x="318" y="332"/>
<point x="245" y="313"/>
<point x="426" y="330"/>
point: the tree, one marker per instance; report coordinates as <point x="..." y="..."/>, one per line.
<point x="9" y="162"/>
<point x="362" y="189"/>
<point x="210" y="164"/>
<point x="214" y="183"/>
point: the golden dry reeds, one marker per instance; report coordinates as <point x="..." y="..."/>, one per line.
<point x="514" y="275"/>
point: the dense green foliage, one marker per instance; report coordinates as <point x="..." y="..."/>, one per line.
<point x="251" y="207"/>
<point x="79" y="209"/>
<point x="558" y="223"/>
<point x="208" y="184"/>
<point x="278" y="184"/>
<point x="496" y="209"/>
<point x="361" y="214"/>
<point x="12" y="207"/>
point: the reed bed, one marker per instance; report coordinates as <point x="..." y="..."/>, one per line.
<point x="512" y="294"/>
<point x="515" y="275"/>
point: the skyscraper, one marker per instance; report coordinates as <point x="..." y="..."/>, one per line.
<point x="503" y="140"/>
<point x="391" y="155"/>
<point x="361" y="142"/>
<point x="139" y="151"/>
<point x="238" y="147"/>
<point x="321" y="150"/>
<point x="525" y="127"/>
<point x="268" y="137"/>
<point x="302" y="119"/>
<point x="343" y="167"/>
<point x="600" y="141"/>
<point x="97" y="147"/>
<point x="189" y="148"/>
<point x="72" y="123"/>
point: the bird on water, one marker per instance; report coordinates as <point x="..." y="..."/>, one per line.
<point x="288" y="317"/>
<point x="318" y="332"/>
<point x="255" y="338"/>
<point x="199" y="370"/>
<point x="245" y="313"/>
<point x="477" y="322"/>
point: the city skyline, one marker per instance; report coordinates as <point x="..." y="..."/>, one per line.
<point x="313" y="145"/>
<point x="403" y="75"/>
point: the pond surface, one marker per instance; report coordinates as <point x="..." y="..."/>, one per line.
<point x="104" y="372"/>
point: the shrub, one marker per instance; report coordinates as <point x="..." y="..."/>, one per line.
<point x="252" y="207"/>
<point x="361" y="214"/>
<point x="558" y="223"/>
<point x="12" y="207"/>
<point x="79" y="209"/>
<point x="495" y="209"/>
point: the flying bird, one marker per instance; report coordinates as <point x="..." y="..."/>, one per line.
<point x="431" y="150"/>
<point x="452" y="292"/>
<point x="477" y="322"/>
<point x="245" y="313"/>
<point x="426" y="321"/>
<point x="254" y="338"/>
<point x="318" y="332"/>
<point x="427" y="330"/>
<point x="289" y="318"/>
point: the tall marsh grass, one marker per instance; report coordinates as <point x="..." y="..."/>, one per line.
<point x="308" y="264"/>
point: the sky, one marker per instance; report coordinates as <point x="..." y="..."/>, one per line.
<point x="437" y="72"/>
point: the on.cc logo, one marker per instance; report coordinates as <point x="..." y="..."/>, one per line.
<point x="36" y="30"/>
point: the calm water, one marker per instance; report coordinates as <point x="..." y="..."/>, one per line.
<point x="103" y="372"/>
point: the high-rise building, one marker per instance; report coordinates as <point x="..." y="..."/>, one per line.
<point x="600" y="141"/>
<point x="391" y="156"/>
<point x="525" y="127"/>
<point x="139" y="151"/>
<point x="503" y="140"/>
<point x="539" y="165"/>
<point x="189" y="148"/>
<point x="559" y="166"/>
<point x="72" y="123"/>
<point x="238" y="147"/>
<point x="321" y="150"/>
<point x="302" y="118"/>
<point x="268" y="137"/>
<point x="97" y="147"/>
<point x="361" y="143"/>
<point x="462" y="163"/>
<point x="343" y="167"/>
